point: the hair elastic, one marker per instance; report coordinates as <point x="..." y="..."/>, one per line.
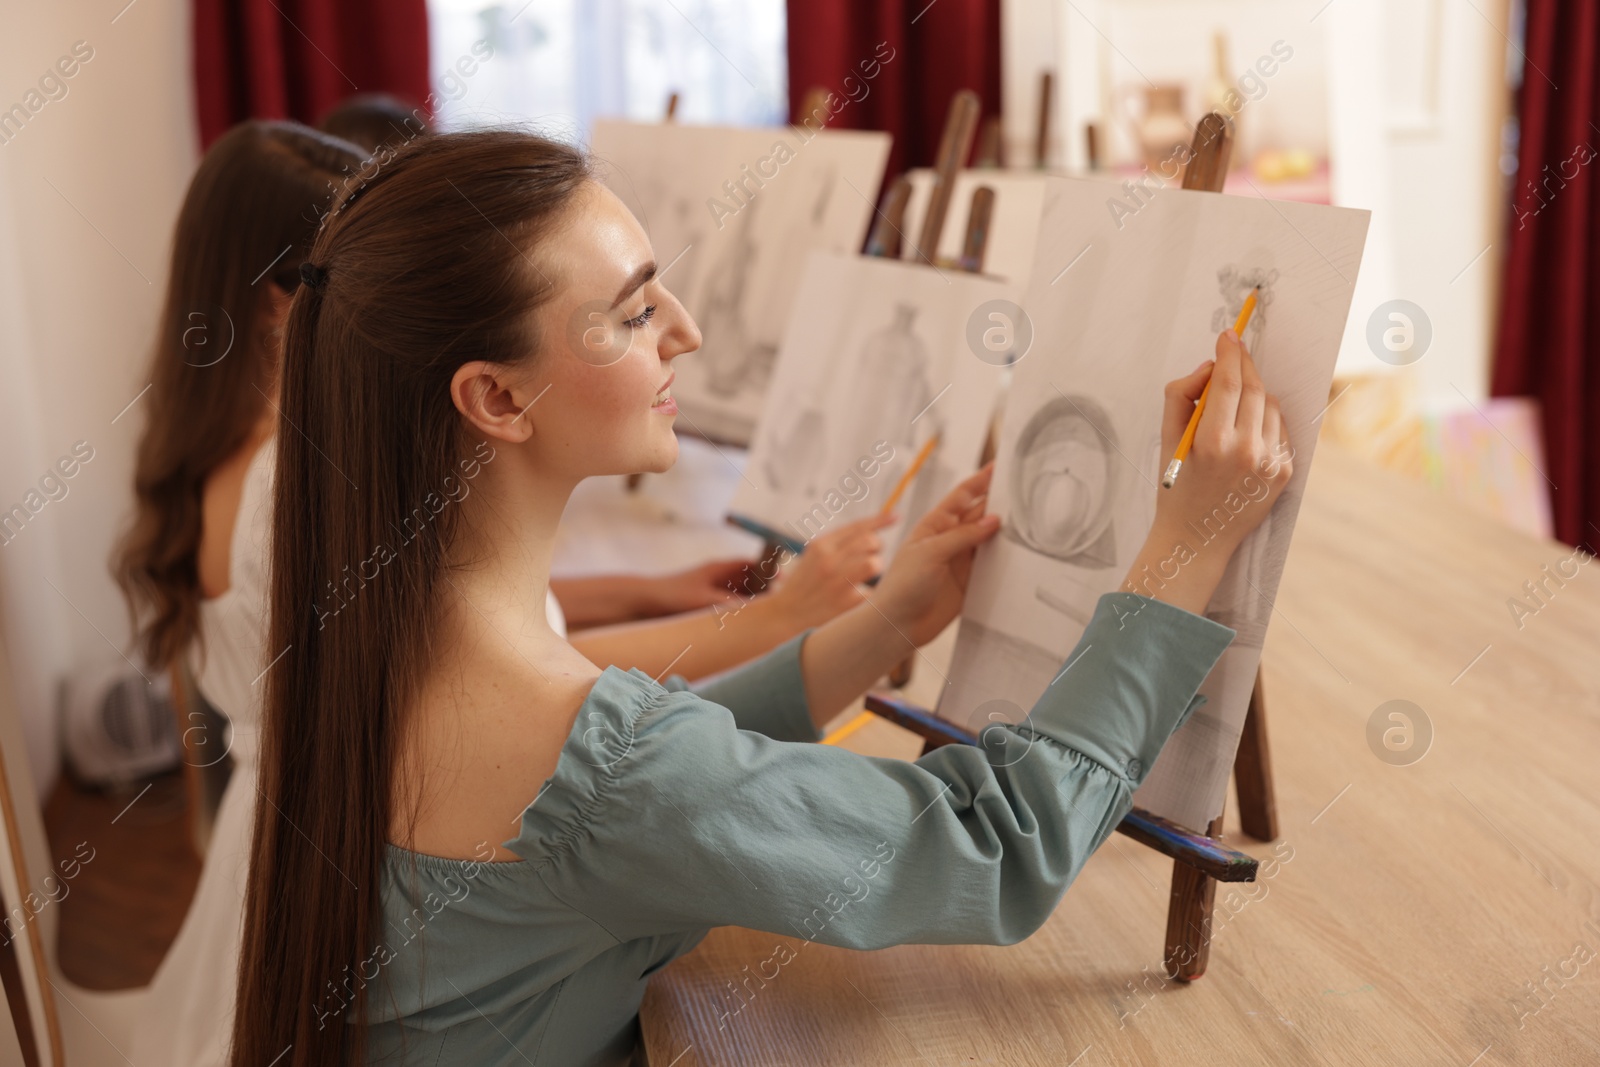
<point x="313" y="275"/>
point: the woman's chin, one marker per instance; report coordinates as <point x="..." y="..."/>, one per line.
<point x="663" y="456"/>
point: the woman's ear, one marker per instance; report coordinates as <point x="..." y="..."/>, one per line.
<point x="495" y="398"/>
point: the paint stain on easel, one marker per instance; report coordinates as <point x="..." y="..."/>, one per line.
<point x="1348" y="992"/>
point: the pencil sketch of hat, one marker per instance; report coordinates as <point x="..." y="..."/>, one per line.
<point x="1065" y="483"/>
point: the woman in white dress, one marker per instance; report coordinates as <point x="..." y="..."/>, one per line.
<point x="193" y="561"/>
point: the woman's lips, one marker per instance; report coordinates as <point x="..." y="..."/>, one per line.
<point x="664" y="399"/>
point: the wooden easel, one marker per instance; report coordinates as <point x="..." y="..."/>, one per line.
<point x="1200" y="861"/>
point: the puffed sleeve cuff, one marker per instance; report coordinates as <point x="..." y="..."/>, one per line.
<point x="1131" y="681"/>
<point x="767" y="695"/>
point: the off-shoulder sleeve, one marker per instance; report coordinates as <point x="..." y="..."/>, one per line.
<point x="688" y="821"/>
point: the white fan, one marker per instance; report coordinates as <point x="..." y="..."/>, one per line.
<point x="118" y="727"/>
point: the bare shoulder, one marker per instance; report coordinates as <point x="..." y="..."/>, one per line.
<point x="482" y="737"/>
<point x="219" y="514"/>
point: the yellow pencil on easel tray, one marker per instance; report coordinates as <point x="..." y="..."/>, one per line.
<point x="910" y="475"/>
<point x="1187" y="441"/>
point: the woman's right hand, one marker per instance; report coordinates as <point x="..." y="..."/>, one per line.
<point x="1239" y="464"/>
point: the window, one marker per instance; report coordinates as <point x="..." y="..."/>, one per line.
<point x="561" y="64"/>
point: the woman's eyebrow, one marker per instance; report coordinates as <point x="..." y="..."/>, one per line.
<point x="635" y="280"/>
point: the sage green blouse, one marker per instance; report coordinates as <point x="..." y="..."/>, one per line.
<point x="672" y="811"/>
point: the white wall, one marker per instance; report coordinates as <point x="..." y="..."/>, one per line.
<point x="1433" y="149"/>
<point x="1406" y="96"/>
<point x="89" y="190"/>
<point x="1102" y="52"/>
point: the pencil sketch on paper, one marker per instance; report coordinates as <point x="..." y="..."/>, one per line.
<point x="1065" y="480"/>
<point x="732" y="214"/>
<point x="1235" y="283"/>
<point x="881" y="366"/>
<point x="1080" y="450"/>
<point x="888" y="387"/>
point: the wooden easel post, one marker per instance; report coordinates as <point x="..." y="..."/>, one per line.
<point x="960" y="126"/>
<point x="955" y="145"/>
<point x="1041" y="134"/>
<point x="1193" y="894"/>
<point x="888" y="229"/>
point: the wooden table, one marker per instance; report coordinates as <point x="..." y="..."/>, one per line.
<point x="1414" y="909"/>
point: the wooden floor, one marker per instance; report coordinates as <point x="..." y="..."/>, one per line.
<point x="1444" y="912"/>
<point x="127" y="902"/>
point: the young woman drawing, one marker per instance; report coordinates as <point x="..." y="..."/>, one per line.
<point x="478" y="845"/>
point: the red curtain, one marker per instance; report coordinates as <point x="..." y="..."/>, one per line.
<point x="922" y="52"/>
<point x="1549" y="337"/>
<point x="295" y="59"/>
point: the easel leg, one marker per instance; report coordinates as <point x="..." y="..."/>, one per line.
<point x="1193" y="897"/>
<point x="1252" y="771"/>
<point x="1189" y="910"/>
<point x="900" y="677"/>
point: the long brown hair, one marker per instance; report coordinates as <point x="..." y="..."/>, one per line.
<point x="431" y="262"/>
<point x="248" y="217"/>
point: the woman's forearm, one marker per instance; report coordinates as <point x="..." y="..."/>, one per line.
<point x="695" y="644"/>
<point x="1167" y="569"/>
<point x="842" y="658"/>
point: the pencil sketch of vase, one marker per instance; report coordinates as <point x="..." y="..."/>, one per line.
<point x="891" y="390"/>
<point x="725" y="338"/>
<point x="1065" y="483"/>
<point x="1235" y="283"/>
<point x="674" y="224"/>
<point x="795" y="454"/>
<point x="774" y="274"/>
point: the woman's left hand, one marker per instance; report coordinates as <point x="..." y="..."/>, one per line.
<point x="924" y="586"/>
<point x="825" y="580"/>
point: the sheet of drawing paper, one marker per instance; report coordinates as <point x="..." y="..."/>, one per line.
<point x="1013" y="230"/>
<point x="1080" y="454"/>
<point x="877" y="359"/>
<point x="732" y="214"/>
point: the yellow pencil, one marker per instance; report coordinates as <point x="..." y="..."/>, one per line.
<point x="906" y="478"/>
<point x="1187" y="441"/>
